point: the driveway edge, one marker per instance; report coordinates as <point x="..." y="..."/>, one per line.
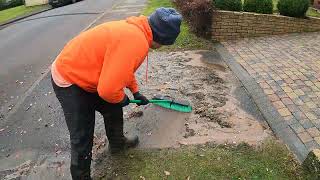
<point x="278" y="125"/>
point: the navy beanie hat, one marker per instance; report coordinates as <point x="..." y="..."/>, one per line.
<point x="165" y="25"/>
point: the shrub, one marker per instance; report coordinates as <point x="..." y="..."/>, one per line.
<point x="229" y="5"/>
<point x="10" y="4"/>
<point x="293" y="8"/>
<point x="258" y="6"/>
<point x="198" y="14"/>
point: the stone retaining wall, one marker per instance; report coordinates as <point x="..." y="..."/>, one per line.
<point x="228" y="25"/>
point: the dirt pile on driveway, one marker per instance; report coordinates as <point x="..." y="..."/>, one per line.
<point x="201" y="78"/>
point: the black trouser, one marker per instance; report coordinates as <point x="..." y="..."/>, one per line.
<point x="79" y="109"/>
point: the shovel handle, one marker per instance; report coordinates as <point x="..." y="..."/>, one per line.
<point x="151" y="101"/>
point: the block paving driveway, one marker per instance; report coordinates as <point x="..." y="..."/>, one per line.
<point x="287" y="68"/>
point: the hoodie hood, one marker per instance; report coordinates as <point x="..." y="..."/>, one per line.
<point x="143" y="24"/>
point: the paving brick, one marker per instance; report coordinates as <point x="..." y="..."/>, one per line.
<point x="290" y="120"/>
<point x="286" y="101"/>
<point x="317" y="94"/>
<point x="287" y="89"/>
<point x="299" y="92"/>
<point x="317" y="84"/>
<point x="314" y="132"/>
<point x="278" y="104"/>
<point x="306" y="89"/>
<point x="280" y="82"/>
<point x="297" y="101"/>
<point x="306" y="123"/>
<point x="305" y="98"/>
<point x="288" y="81"/>
<point x="316" y="111"/>
<point x="311" y="145"/>
<point x="292" y="95"/>
<point x="271" y="83"/>
<point x="311" y="116"/>
<point x="281" y="94"/>
<point x="299" y="82"/>
<point x="293" y="108"/>
<point x="305" y="137"/>
<point x="297" y="128"/>
<point x="268" y="91"/>
<point x="284" y="112"/>
<point x="317" y="139"/>
<point x="264" y="85"/>
<point x="299" y="115"/>
<point x="309" y="83"/>
<point x="273" y="97"/>
<point x="314" y="88"/>
<point x="311" y="105"/>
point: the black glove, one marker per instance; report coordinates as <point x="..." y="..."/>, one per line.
<point x="138" y="96"/>
<point x="124" y="102"/>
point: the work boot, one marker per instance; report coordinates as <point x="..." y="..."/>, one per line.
<point x="126" y="143"/>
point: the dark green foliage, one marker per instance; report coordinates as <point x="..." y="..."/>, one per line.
<point x="10" y="4"/>
<point x="293" y="8"/>
<point x="229" y="5"/>
<point x="258" y="6"/>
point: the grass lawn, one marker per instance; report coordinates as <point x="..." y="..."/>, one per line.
<point x="12" y="13"/>
<point x="269" y="161"/>
<point x="186" y="39"/>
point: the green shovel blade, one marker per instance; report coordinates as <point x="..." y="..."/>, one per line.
<point x="168" y="104"/>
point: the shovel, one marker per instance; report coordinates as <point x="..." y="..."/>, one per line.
<point x="165" y="102"/>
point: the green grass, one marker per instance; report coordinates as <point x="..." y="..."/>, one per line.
<point x="313" y="13"/>
<point x="12" y="13"/>
<point x="270" y="161"/>
<point x="186" y="40"/>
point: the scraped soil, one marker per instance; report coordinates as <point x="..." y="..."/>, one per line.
<point x="201" y="78"/>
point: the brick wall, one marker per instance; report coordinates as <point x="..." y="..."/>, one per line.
<point x="229" y="25"/>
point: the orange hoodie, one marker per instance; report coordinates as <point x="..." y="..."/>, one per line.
<point x="105" y="58"/>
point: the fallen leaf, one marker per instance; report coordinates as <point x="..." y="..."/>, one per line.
<point x="167" y="173"/>
<point x="188" y="178"/>
<point x="143" y="178"/>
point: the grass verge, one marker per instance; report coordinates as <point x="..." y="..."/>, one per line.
<point x="269" y="161"/>
<point x="186" y="40"/>
<point x="8" y="14"/>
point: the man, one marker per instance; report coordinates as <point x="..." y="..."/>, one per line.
<point x="93" y="69"/>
